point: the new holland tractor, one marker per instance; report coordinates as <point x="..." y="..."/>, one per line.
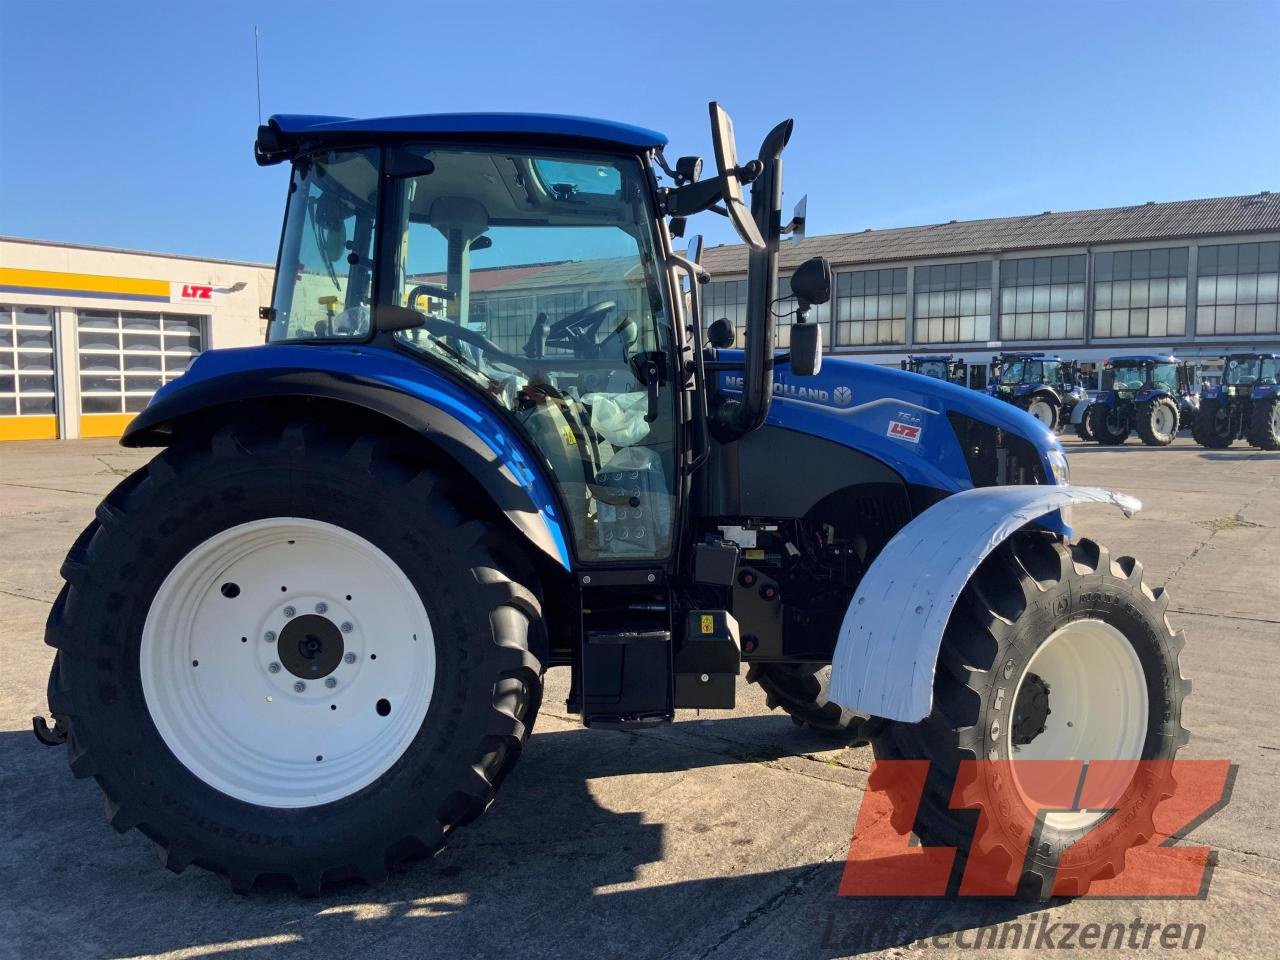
<point x="307" y="640"/>
<point x="938" y="366"/>
<point x="1150" y="394"/>
<point x="1244" y="405"/>
<point x="1044" y="386"/>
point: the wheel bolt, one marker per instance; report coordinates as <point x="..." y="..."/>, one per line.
<point x="299" y="687"/>
<point x="321" y="607"/>
<point x="273" y="668"/>
<point x="346" y="626"/>
<point x="330" y="682"/>
<point x="349" y="658"/>
<point x="289" y="611"/>
<point x="269" y="636"/>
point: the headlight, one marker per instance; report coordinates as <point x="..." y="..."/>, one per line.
<point x="1059" y="466"/>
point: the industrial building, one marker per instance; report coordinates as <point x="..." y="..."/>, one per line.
<point x="88" y="334"/>
<point x="1195" y="277"/>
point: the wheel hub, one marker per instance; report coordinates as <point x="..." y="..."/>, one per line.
<point x="1030" y="710"/>
<point x="311" y="647"/>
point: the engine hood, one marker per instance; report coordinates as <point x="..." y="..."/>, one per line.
<point x="899" y="417"/>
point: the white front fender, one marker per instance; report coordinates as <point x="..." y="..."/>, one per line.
<point x="888" y="645"/>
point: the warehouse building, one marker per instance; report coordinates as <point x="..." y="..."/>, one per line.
<point x="1195" y="277"/>
<point x="88" y="334"/>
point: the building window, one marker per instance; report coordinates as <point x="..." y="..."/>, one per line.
<point x="1042" y="298"/>
<point x="727" y="299"/>
<point x="1140" y="293"/>
<point x="125" y="357"/>
<point x="1236" y="290"/>
<point x="953" y="303"/>
<point x="507" y="320"/>
<point x="871" y="307"/>
<point x="27" y="377"/>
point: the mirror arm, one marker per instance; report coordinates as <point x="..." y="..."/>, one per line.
<point x="692" y="198"/>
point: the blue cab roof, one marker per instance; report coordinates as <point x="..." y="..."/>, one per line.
<point x="550" y="125"/>
<point x="1143" y="358"/>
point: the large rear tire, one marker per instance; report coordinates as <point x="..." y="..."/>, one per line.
<point x="1157" y="421"/>
<point x="1107" y="425"/>
<point x="801" y="690"/>
<point x="288" y="652"/>
<point x="1264" y="424"/>
<point x="1212" y="427"/>
<point x="1044" y="408"/>
<point x="1053" y="652"/>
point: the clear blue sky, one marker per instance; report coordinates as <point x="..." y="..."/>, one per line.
<point x="130" y="124"/>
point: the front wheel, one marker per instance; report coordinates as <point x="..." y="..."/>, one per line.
<point x="1213" y="428"/>
<point x="1264" y="424"/>
<point x="295" y="653"/>
<point x="1157" y="422"/>
<point x="1043" y="409"/>
<point x="1108" y="425"/>
<point x="1054" y="652"/>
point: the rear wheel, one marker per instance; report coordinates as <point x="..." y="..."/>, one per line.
<point x="1082" y="428"/>
<point x="801" y="690"/>
<point x="293" y="653"/>
<point x="1053" y="652"/>
<point x="1157" y="421"/>
<point x="1264" y="424"/>
<point x="1043" y="408"/>
<point x="1108" y="425"/>
<point x="1212" y="427"/>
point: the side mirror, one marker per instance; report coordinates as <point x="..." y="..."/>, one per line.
<point x="721" y="334"/>
<point x="796" y="227"/>
<point x="694" y="253"/>
<point x="732" y="177"/>
<point x="811" y="283"/>
<point x="806" y="349"/>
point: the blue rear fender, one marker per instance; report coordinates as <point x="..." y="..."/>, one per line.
<point x="383" y="383"/>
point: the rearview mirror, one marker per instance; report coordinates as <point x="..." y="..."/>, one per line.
<point x="694" y="253"/>
<point x="806" y="349"/>
<point x="721" y="334"/>
<point x="811" y="283"/>
<point x="726" y="151"/>
<point x="796" y="227"/>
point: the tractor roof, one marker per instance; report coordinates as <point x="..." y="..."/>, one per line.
<point x="1253" y="356"/>
<point x="282" y="133"/>
<point x="944" y="357"/>
<point x="1143" y="358"/>
<point x="1023" y="355"/>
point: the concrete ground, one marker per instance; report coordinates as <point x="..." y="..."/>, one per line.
<point x="720" y="836"/>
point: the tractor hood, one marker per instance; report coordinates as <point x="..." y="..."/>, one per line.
<point x="911" y="422"/>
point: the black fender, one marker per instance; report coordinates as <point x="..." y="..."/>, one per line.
<point x="486" y="448"/>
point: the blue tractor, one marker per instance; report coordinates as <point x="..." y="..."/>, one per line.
<point x="307" y="640"/>
<point x="1044" y="386"/>
<point x="1245" y="404"/>
<point x="939" y="366"/>
<point x="1153" y="395"/>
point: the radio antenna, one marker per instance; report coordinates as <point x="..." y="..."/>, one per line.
<point x="257" y="69"/>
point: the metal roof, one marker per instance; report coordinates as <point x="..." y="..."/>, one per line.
<point x="1143" y="358"/>
<point x="525" y="124"/>
<point x="1214" y="216"/>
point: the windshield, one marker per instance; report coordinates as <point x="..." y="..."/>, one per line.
<point x="932" y="368"/>
<point x="1270" y="371"/>
<point x="1129" y="375"/>
<point x="1019" y="371"/>
<point x="1240" y="372"/>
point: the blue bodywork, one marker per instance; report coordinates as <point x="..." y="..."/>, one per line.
<point x="1109" y="398"/>
<point x="545" y="126"/>
<point x="896" y="416"/>
<point x="378" y="367"/>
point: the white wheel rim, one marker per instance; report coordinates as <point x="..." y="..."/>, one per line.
<point x="1275" y="418"/>
<point x="1162" y="421"/>
<point x="1042" y="411"/>
<point x="1098" y="707"/>
<point x="235" y="720"/>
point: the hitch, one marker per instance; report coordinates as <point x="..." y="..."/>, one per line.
<point x="54" y="736"/>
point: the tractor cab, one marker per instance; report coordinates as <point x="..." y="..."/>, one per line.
<point x="1245" y="404"/>
<point x="1043" y="385"/>
<point x="940" y="367"/>
<point x="1243" y="371"/>
<point x="1154" y="395"/>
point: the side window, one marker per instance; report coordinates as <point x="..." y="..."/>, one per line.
<point x="324" y="283"/>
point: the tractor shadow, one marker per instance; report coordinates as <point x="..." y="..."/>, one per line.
<point x="550" y="871"/>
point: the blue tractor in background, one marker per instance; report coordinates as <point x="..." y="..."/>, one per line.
<point x="1044" y="386"/>
<point x="1153" y="395"/>
<point x="489" y="436"/>
<point x="1245" y="404"/>
<point x="939" y="366"/>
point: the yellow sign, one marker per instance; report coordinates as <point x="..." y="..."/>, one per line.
<point x="708" y="623"/>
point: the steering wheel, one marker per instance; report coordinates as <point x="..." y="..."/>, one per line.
<point x="579" y="331"/>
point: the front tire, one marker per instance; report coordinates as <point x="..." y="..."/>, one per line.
<point x="260" y="706"/>
<point x="1043" y="408"/>
<point x="1052" y="652"/>
<point x="1157" y="422"/>
<point x="1213" y="428"/>
<point x="801" y="690"/>
<point x="1107" y="424"/>
<point x="1264" y="424"/>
